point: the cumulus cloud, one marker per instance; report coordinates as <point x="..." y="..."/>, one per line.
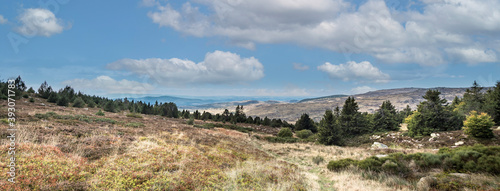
<point x="361" y="89"/>
<point x="217" y="68"/>
<point x="2" y="19"/>
<point x="392" y="36"/>
<point x="301" y="67"/>
<point x="39" y="22"/>
<point x="352" y="71"/>
<point x="109" y="85"/>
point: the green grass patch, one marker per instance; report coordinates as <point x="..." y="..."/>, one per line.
<point x="134" y="115"/>
<point x="135" y="124"/>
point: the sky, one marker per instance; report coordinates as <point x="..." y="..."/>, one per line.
<point x="287" y="48"/>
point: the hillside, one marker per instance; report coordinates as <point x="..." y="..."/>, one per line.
<point x="66" y="148"/>
<point x="367" y="102"/>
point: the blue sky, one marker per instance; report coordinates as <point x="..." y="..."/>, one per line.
<point x="302" y="48"/>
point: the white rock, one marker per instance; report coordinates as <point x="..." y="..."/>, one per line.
<point x="459" y="143"/>
<point x="434" y="135"/>
<point x="379" y="145"/>
<point x="381" y="156"/>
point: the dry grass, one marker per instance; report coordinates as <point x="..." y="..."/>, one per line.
<point x="168" y="154"/>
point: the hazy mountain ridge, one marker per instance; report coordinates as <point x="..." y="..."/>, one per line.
<point x="367" y="102"/>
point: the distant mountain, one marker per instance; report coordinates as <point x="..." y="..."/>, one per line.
<point x="324" y="97"/>
<point x="177" y="100"/>
<point x="367" y="102"/>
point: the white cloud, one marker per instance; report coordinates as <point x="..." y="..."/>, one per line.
<point x="39" y="22"/>
<point x="217" y="68"/>
<point x="392" y="36"/>
<point x="352" y="71"/>
<point x="292" y="92"/>
<point x="473" y="55"/>
<point x="2" y="20"/>
<point x="108" y="85"/>
<point x="361" y="89"/>
<point x="299" y="66"/>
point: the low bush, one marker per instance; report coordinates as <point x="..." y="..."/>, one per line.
<point x="318" y="159"/>
<point x="304" y="134"/>
<point x="285" y="132"/>
<point x="341" y="164"/>
<point x="190" y="121"/>
<point x="474" y="159"/>
<point x="282" y="139"/>
<point x="134" y="115"/>
<point x="135" y="124"/>
<point x="100" y="113"/>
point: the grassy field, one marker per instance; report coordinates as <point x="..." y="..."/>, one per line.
<point x="64" y="148"/>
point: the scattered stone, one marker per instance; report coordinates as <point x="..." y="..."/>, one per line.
<point x="461" y="175"/>
<point x="425" y="183"/>
<point x="86" y="109"/>
<point x="459" y="143"/>
<point x="381" y="156"/>
<point x="434" y="135"/>
<point x="379" y="145"/>
<point x="42" y="104"/>
<point x="375" y="137"/>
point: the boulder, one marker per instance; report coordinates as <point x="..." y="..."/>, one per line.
<point x="459" y="143"/>
<point x="434" y="135"/>
<point x="379" y="145"/>
<point x="425" y="183"/>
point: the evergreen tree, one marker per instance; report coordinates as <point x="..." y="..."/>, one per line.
<point x="186" y="114"/>
<point x="351" y="120"/>
<point x="305" y="122"/>
<point x="110" y="106"/>
<point x="386" y="118"/>
<point x="31" y="90"/>
<point x="79" y="102"/>
<point x="492" y="104"/>
<point x="20" y="84"/>
<point x="91" y="103"/>
<point x="432" y="116"/>
<point x="45" y="90"/>
<point x="62" y="101"/>
<point x="473" y="98"/>
<point x="53" y="97"/>
<point x="329" y="130"/>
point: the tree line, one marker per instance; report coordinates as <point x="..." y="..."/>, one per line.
<point x="68" y="97"/>
<point x="476" y="108"/>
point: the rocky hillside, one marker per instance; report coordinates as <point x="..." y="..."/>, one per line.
<point x="368" y="102"/>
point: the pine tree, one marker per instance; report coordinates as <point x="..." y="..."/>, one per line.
<point x="329" y="130"/>
<point x="62" y="101"/>
<point x="110" y="106"/>
<point x="492" y="104"/>
<point x="79" y="102"/>
<point x="305" y="122"/>
<point x="53" y="97"/>
<point x="386" y="118"/>
<point x="432" y="116"/>
<point x="45" y="90"/>
<point x="474" y="98"/>
<point x="351" y="120"/>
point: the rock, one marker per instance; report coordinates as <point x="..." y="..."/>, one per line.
<point x="86" y="109"/>
<point x="381" y="156"/>
<point x="42" y="104"/>
<point x="425" y="183"/>
<point x="460" y="175"/>
<point x="459" y="143"/>
<point x="379" y="145"/>
<point x="434" y="135"/>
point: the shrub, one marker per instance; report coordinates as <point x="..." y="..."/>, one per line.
<point x="372" y="163"/>
<point x="26" y="96"/>
<point x="134" y="115"/>
<point x="135" y="124"/>
<point x="285" y="132"/>
<point x="341" y="164"/>
<point x="100" y="113"/>
<point x="190" y="121"/>
<point x="32" y="100"/>
<point x="281" y="139"/>
<point x="478" y="125"/>
<point x="79" y="102"/>
<point x="91" y="104"/>
<point x="62" y="101"/>
<point x="304" y="134"/>
<point x="318" y="159"/>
